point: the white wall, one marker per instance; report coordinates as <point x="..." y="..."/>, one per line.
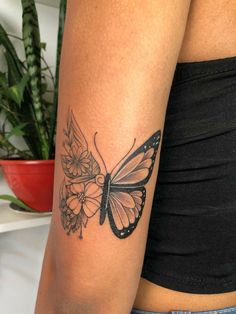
<point x="21" y="252"/>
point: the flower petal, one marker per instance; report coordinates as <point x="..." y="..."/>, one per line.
<point x="93" y="190"/>
<point x="74" y="204"/>
<point x="77" y="188"/>
<point x="84" y="167"/>
<point x="84" y="163"/>
<point x="84" y="154"/>
<point x="90" y="206"/>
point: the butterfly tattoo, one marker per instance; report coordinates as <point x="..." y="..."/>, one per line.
<point x="118" y="195"/>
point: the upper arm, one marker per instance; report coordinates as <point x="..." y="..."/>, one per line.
<point x="118" y="61"/>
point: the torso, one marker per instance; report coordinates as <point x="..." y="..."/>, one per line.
<point x="210" y="34"/>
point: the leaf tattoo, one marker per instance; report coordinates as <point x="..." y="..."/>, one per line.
<point x="119" y="194"/>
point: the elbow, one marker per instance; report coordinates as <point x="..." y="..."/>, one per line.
<point x="65" y="305"/>
<point x="65" y="302"/>
<point x="67" y="297"/>
<point x="82" y="305"/>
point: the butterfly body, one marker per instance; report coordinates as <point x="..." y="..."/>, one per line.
<point x="105" y="198"/>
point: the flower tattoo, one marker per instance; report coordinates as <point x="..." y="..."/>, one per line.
<point x="77" y="162"/>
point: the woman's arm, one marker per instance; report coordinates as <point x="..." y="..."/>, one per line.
<point x="117" y="66"/>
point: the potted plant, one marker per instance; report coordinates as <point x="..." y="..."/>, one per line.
<point x="26" y="112"/>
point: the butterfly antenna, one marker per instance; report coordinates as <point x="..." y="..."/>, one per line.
<point x="95" y="144"/>
<point x="124" y="156"/>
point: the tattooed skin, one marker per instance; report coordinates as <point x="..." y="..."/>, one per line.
<point x="118" y="195"/>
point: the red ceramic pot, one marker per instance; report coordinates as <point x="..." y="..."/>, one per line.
<point x="31" y="181"/>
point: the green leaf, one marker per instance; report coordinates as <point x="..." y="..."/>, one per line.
<point x="16" y="201"/>
<point x="17" y="131"/>
<point x="44" y="87"/>
<point x="16" y="92"/>
<point x="6" y="43"/>
<point x="3" y="80"/>
<point x="11" y="56"/>
<point x="43" y="46"/>
<point x="13" y="73"/>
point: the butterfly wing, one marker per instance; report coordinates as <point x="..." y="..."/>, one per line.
<point x="78" y="163"/>
<point x="137" y="169"/>
<point x="127" y="192"/>
<point x="125" y="207"/>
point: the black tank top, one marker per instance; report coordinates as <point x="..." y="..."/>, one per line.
<point x="191" y="244"/>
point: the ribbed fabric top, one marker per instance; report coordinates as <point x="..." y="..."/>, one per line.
<point x="192" y="234"/>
